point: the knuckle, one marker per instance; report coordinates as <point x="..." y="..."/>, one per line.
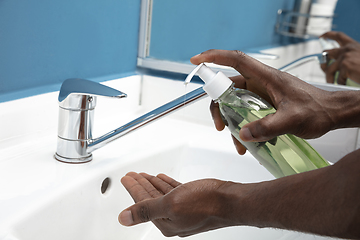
<point x="338" y="34"/>
<point x="264" y="127"/>
<point x="341" y="36"/>
<point x="239" y="55"/>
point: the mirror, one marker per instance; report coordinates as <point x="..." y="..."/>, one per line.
<point x="171" y="32"/>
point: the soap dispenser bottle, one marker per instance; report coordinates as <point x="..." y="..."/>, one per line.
<point x="281" y="156"/>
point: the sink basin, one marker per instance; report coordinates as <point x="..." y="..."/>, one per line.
<point x="87" y="209"/>
<point x="42" y="198"/>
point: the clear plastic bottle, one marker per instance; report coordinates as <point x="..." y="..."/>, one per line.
<point x="281" y="156"/>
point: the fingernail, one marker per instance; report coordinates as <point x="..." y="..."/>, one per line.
<point x="125" y="218"/>
<point x="246" y="135"/>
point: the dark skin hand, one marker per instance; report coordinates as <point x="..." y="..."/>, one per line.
<point x="347" y="59"/>
<point x="168" y="204"/>
<point x="325" y="201"/>
<point x="297" y="103"/>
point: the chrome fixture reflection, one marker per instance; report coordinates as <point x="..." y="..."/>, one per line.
<point x="77" y="101"/>
<point x="319" y="57"/>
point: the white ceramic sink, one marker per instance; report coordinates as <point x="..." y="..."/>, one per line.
<point x="82" y="211"/>
<point x="42" y="198"/>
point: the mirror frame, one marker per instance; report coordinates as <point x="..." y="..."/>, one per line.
<point x="145" y="61"/>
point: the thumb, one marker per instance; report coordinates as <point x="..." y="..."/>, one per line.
<point x="141" y="212"/>
<point x="265" y="129"/>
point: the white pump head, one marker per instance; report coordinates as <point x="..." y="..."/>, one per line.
<point x="215" y="83"/>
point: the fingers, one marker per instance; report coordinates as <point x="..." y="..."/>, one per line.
<point x="148" y="210"/>
<point x="340" y="37"/>
<point x="147" y="191"/>
<point x="219" y="124"/>
<point x="216" y="116"/>
<point x="331" y="70"/>
<point x="239" y="147"/>
<point x="245" y="65"/>
<point x="160" y="184"/>
<point x="333" y="65"/>
<point x="342" y="76"/>
<point x="336" y="71"/>
<point x="266" y="128"/>
<point x="169" y="180"/>
<point x="240" y="81"/>
<point x="335" y="53"/>
<point x="139" y="187"/>
<point x="136" y="191"/>
<point x="214" y="107"/>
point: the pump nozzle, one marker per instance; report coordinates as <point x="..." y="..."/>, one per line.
<point x="192" y="74"/>
<point x="215" y="83"/>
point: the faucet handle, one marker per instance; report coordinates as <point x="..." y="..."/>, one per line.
<point x="86" y="87"/>
<point x="74" y="90"/>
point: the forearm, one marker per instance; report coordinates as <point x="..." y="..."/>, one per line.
<point x="324" y="201"/>
<point x="344" y="108"/>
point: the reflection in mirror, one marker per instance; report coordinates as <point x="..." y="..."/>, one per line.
<point x="276" y="32"/>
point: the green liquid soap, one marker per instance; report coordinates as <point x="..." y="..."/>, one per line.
<point x="281" y="156"/>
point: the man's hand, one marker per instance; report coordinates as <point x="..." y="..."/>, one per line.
<point x="325" y="201"/>
<point x="302" y="109"/>
<point x="175" y="208"/>
<point x="347" y="59"/>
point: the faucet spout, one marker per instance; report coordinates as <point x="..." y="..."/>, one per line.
<point x="147" y="118"/>
<point x="74" y="147"/>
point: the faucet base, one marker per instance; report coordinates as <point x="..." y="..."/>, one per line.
<point x="73" y="160"/>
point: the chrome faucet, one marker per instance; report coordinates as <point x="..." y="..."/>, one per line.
<point x="77" y="101"/>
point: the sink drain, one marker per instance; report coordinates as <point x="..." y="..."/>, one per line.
<point x="105" y="185"/>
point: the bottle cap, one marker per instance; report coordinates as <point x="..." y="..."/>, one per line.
<point x="215" y="83"/>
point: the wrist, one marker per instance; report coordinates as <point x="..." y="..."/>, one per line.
<point x="344" y="109"/>
<point x="237" y="203"/>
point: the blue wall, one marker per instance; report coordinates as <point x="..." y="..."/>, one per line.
<point x="245" y="25"/>
<point x="44" y="42"/>
<point x="202" y="25"/>
<point x="347" y="18"/>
